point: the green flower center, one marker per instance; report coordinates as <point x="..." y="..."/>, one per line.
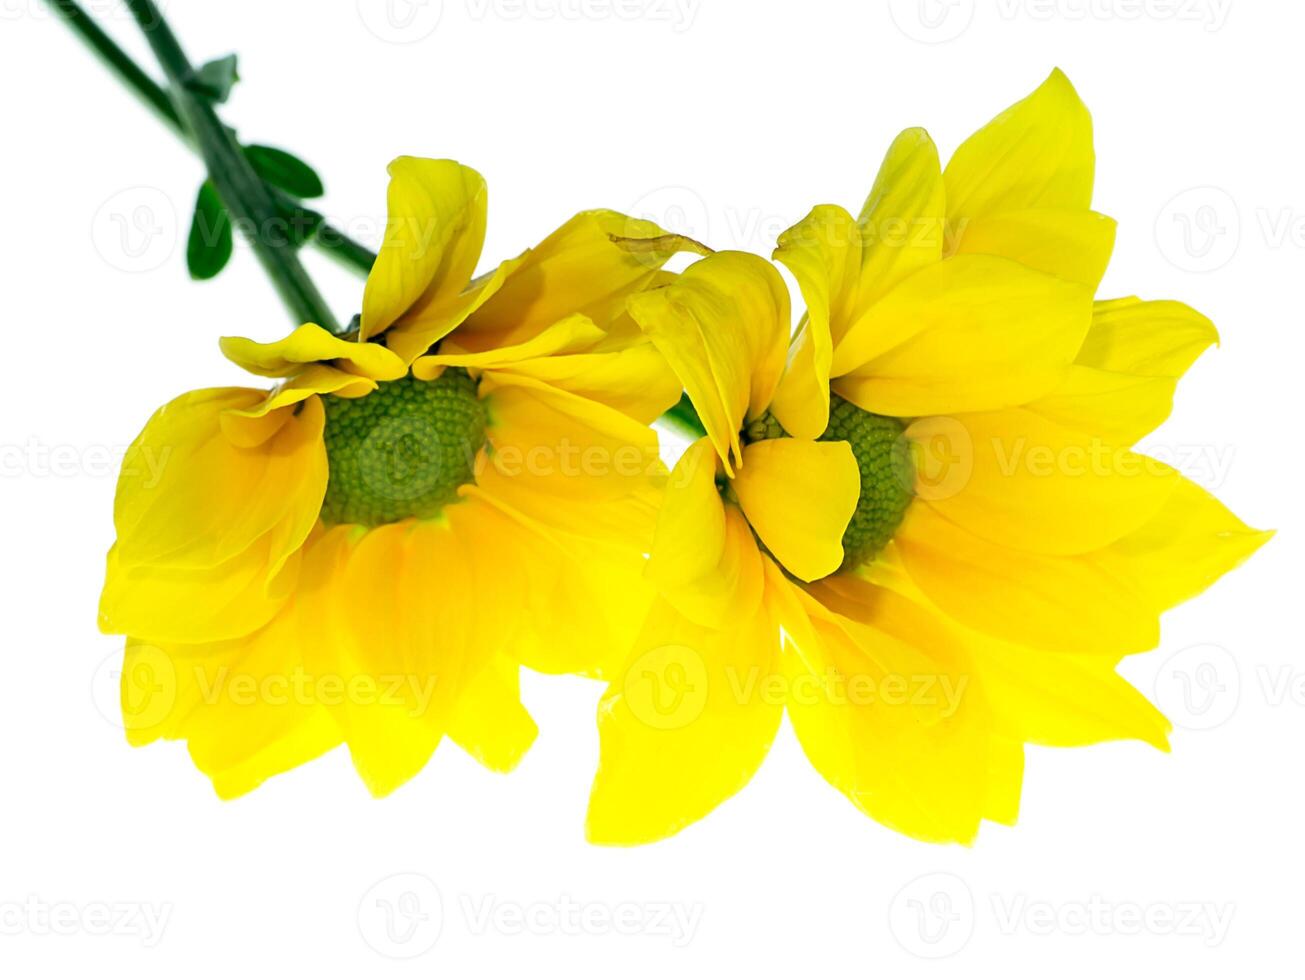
<point x="402" y="450"/>
<point x="883" y="457"/>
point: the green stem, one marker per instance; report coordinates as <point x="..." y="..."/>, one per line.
<point x="249" y="202"/>
<point x="683" y="418"/>
<point x="333" y="242"/>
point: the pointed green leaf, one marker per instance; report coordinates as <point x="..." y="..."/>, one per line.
<point x="215" y="78"/>
<point x="209" y="246"/>
<point x="284" y="170"/>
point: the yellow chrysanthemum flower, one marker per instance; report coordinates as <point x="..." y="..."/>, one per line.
<point x="366" y="553"/>
<point x="929" y="492"/>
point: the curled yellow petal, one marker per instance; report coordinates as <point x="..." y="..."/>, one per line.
<point x="723" y="327"/>
<point x="704" y="559"/>
<point x="434" y="232"/>
<point x="589" y="266"/>
<point x="207" y="526"/>
<point x="799" y="496"/>
<point x="310" y="344"/>
<point x="823" y="251"/>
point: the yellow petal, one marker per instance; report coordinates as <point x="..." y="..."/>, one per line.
<point x="684" y="726"/>
<point x="1073" y="245"/>
<point x="884" y="702"/>
<point x="690" y="533"/>
<point x="415" y="334"/>
<point x="626" y="518"/>
<point x="1065" y="699"/>
<point x="587" y="266"/>
<point x="1188" y="545"/>
<point x="402" y="629"/>
<point x="704" y="559"/>
<point x="188" y="497"/>
<point x="801" y="402"/>
<point x="574" y="600"/>
<point x="209" y="530"/>
<point x="310" y="344"/>
<point x="434" y="232"/>
<point x="1036" y="154"/>
<point x="418" y="286"/>
<point x="489" y="722"/>
<point x="799" y="496"/>
<point x="843" y="267"/>
<point x="1036" y="486"/>
<point x="249" y="708"/>
<point x="823" y="251"/>
<point x="1119" y="408"/>
<point x="564" y="445"/>
<point x="1046" y="696"/>
<point x="902" y="220"/>
<point x="1149" y="338"/>
<point x="970" y="333"/>
<point x="253" y="426"/>
<point x="193" y="605"/>
<point x="1068" y="603"/>
<point x="1122" y="383"/>
<point x="620" y="368"/>
<point x="568" y="335"/>
<point x="723" y="327"/>
<point x="240" y="706"/>
<point x="635" y="380"/>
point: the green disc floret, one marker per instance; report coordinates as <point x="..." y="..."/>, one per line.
<point x="402" y="450"/>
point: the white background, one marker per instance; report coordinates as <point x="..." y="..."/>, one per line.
<point x="726" y="120"/>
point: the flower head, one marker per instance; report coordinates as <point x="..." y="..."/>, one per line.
<point x="365" y="553"/>
<point x="919" y="527"/>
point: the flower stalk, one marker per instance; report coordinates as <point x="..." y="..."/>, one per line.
<point x="330" y="240"/>
<point x="253" y="203"/>
<point x="246" y="197"/>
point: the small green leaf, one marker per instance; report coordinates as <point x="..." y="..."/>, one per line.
<point x="284" y="170"/>
<point x="215" y="78"/>
<point x="209" y="246"/>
